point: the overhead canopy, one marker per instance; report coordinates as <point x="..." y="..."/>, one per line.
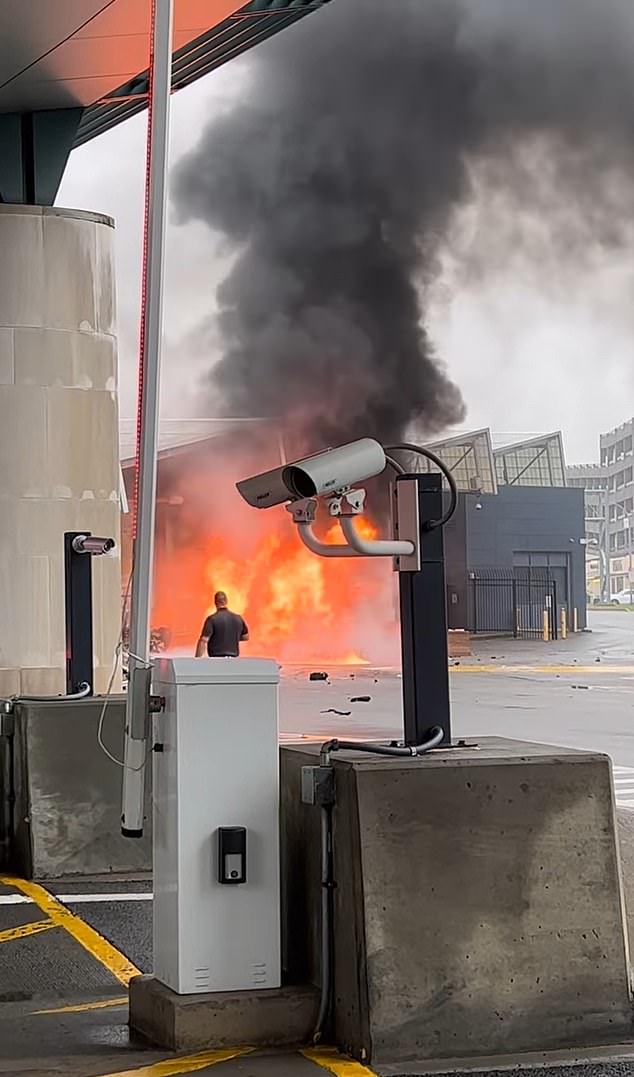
<point x="177" y="435"/>
<point x="71" y="69"/>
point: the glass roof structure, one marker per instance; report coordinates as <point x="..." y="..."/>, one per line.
<point x="478" y="468"/>
<point x="538" y="462"/>
<point x="470" y="458"/>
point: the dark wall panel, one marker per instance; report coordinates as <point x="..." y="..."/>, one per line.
<point x="489" y="531"/>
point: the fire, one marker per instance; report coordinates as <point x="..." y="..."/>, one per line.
<point x="299" y="607"/>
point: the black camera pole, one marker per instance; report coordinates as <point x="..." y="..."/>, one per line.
<point x="424" y="646"/>
<point x="79" y="549"/>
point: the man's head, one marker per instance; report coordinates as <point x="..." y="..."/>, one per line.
<point x="220" y="600"/>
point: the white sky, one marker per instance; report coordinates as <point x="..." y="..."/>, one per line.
<point x="533" y="346"/>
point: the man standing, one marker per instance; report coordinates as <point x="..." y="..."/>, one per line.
<point x="222" y="632"/>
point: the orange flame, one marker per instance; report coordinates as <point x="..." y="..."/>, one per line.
<point x="298" y="607"/>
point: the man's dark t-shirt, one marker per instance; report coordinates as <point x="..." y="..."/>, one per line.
<point x="223" y="631"/>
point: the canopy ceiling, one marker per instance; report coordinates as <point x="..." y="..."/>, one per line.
<point x="92" y="55"/>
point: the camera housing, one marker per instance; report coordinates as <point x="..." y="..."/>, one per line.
<point x="323" y="473"/>
<point x="265" y="490"/>
<point x="92" y="544"/>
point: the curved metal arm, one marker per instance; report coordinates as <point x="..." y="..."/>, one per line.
<point x="323" y="549"/>
<point x="374" y="547"/>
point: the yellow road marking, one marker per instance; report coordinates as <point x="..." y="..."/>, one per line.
<point x="24" y="930"/>
<point x="170" y="1067"/>
<point x="339" y="1065"/>
<point x="111" y="958"/>
<point x="599" y="667"/>
<point x="83" y="1007"/>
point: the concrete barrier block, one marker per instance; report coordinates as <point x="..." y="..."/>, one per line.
<point x="625" y="830"/>
<point x="67" y="818"/>
<point x="478" y="908"/>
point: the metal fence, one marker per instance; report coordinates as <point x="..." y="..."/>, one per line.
<point x="520" y="602"/>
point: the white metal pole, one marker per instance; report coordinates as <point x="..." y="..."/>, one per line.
<point x="137" y="704"/>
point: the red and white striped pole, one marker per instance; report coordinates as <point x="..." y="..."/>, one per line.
<point x="137" y="704"/>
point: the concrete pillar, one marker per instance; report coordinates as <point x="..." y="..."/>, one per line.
<point x="58" y="435"/>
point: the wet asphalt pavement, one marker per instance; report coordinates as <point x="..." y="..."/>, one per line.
<point x="572" y="695"/>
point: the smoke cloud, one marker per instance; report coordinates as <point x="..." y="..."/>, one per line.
<point x="337" y="179"/>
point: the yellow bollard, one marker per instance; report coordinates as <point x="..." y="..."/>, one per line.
<point x="564" y="624"/>
<point x="575" y="620"/>
<point x="546" y="626"/>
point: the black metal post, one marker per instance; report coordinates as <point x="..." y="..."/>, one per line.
<point x="424" y="645"/>
<point x="78" y="591"/>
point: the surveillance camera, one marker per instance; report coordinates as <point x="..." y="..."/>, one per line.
<point x="91" y="544"/>
<point x="323" y="473"/>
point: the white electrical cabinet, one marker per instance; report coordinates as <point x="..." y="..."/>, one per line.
<point x="216" y="812"/>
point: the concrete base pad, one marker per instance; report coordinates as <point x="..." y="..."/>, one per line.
<point x="281" y="1018"/>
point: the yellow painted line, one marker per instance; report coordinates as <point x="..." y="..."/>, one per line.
<point x="171" y="1067"/>
<point x="330" y="1060"/>
<point x="84" y="1007"/>
<point x="111" y="958"/>
<point x="24" y="930"/>
<point x="598" y="667"/>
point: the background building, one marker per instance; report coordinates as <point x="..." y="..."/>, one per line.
<point x="617" y="458"/>
<point x="593" y="480"/>
<point x="516" y="545"/>
<point x="609" y="510"/>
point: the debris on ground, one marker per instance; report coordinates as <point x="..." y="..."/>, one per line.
<point x="333" y="710"/>
<point x="584" y="687"/>
<point x="316" y="676"/>
<point x="360" y="699"/>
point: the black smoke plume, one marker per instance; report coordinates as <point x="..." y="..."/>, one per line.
<point x="337" y="175"/>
